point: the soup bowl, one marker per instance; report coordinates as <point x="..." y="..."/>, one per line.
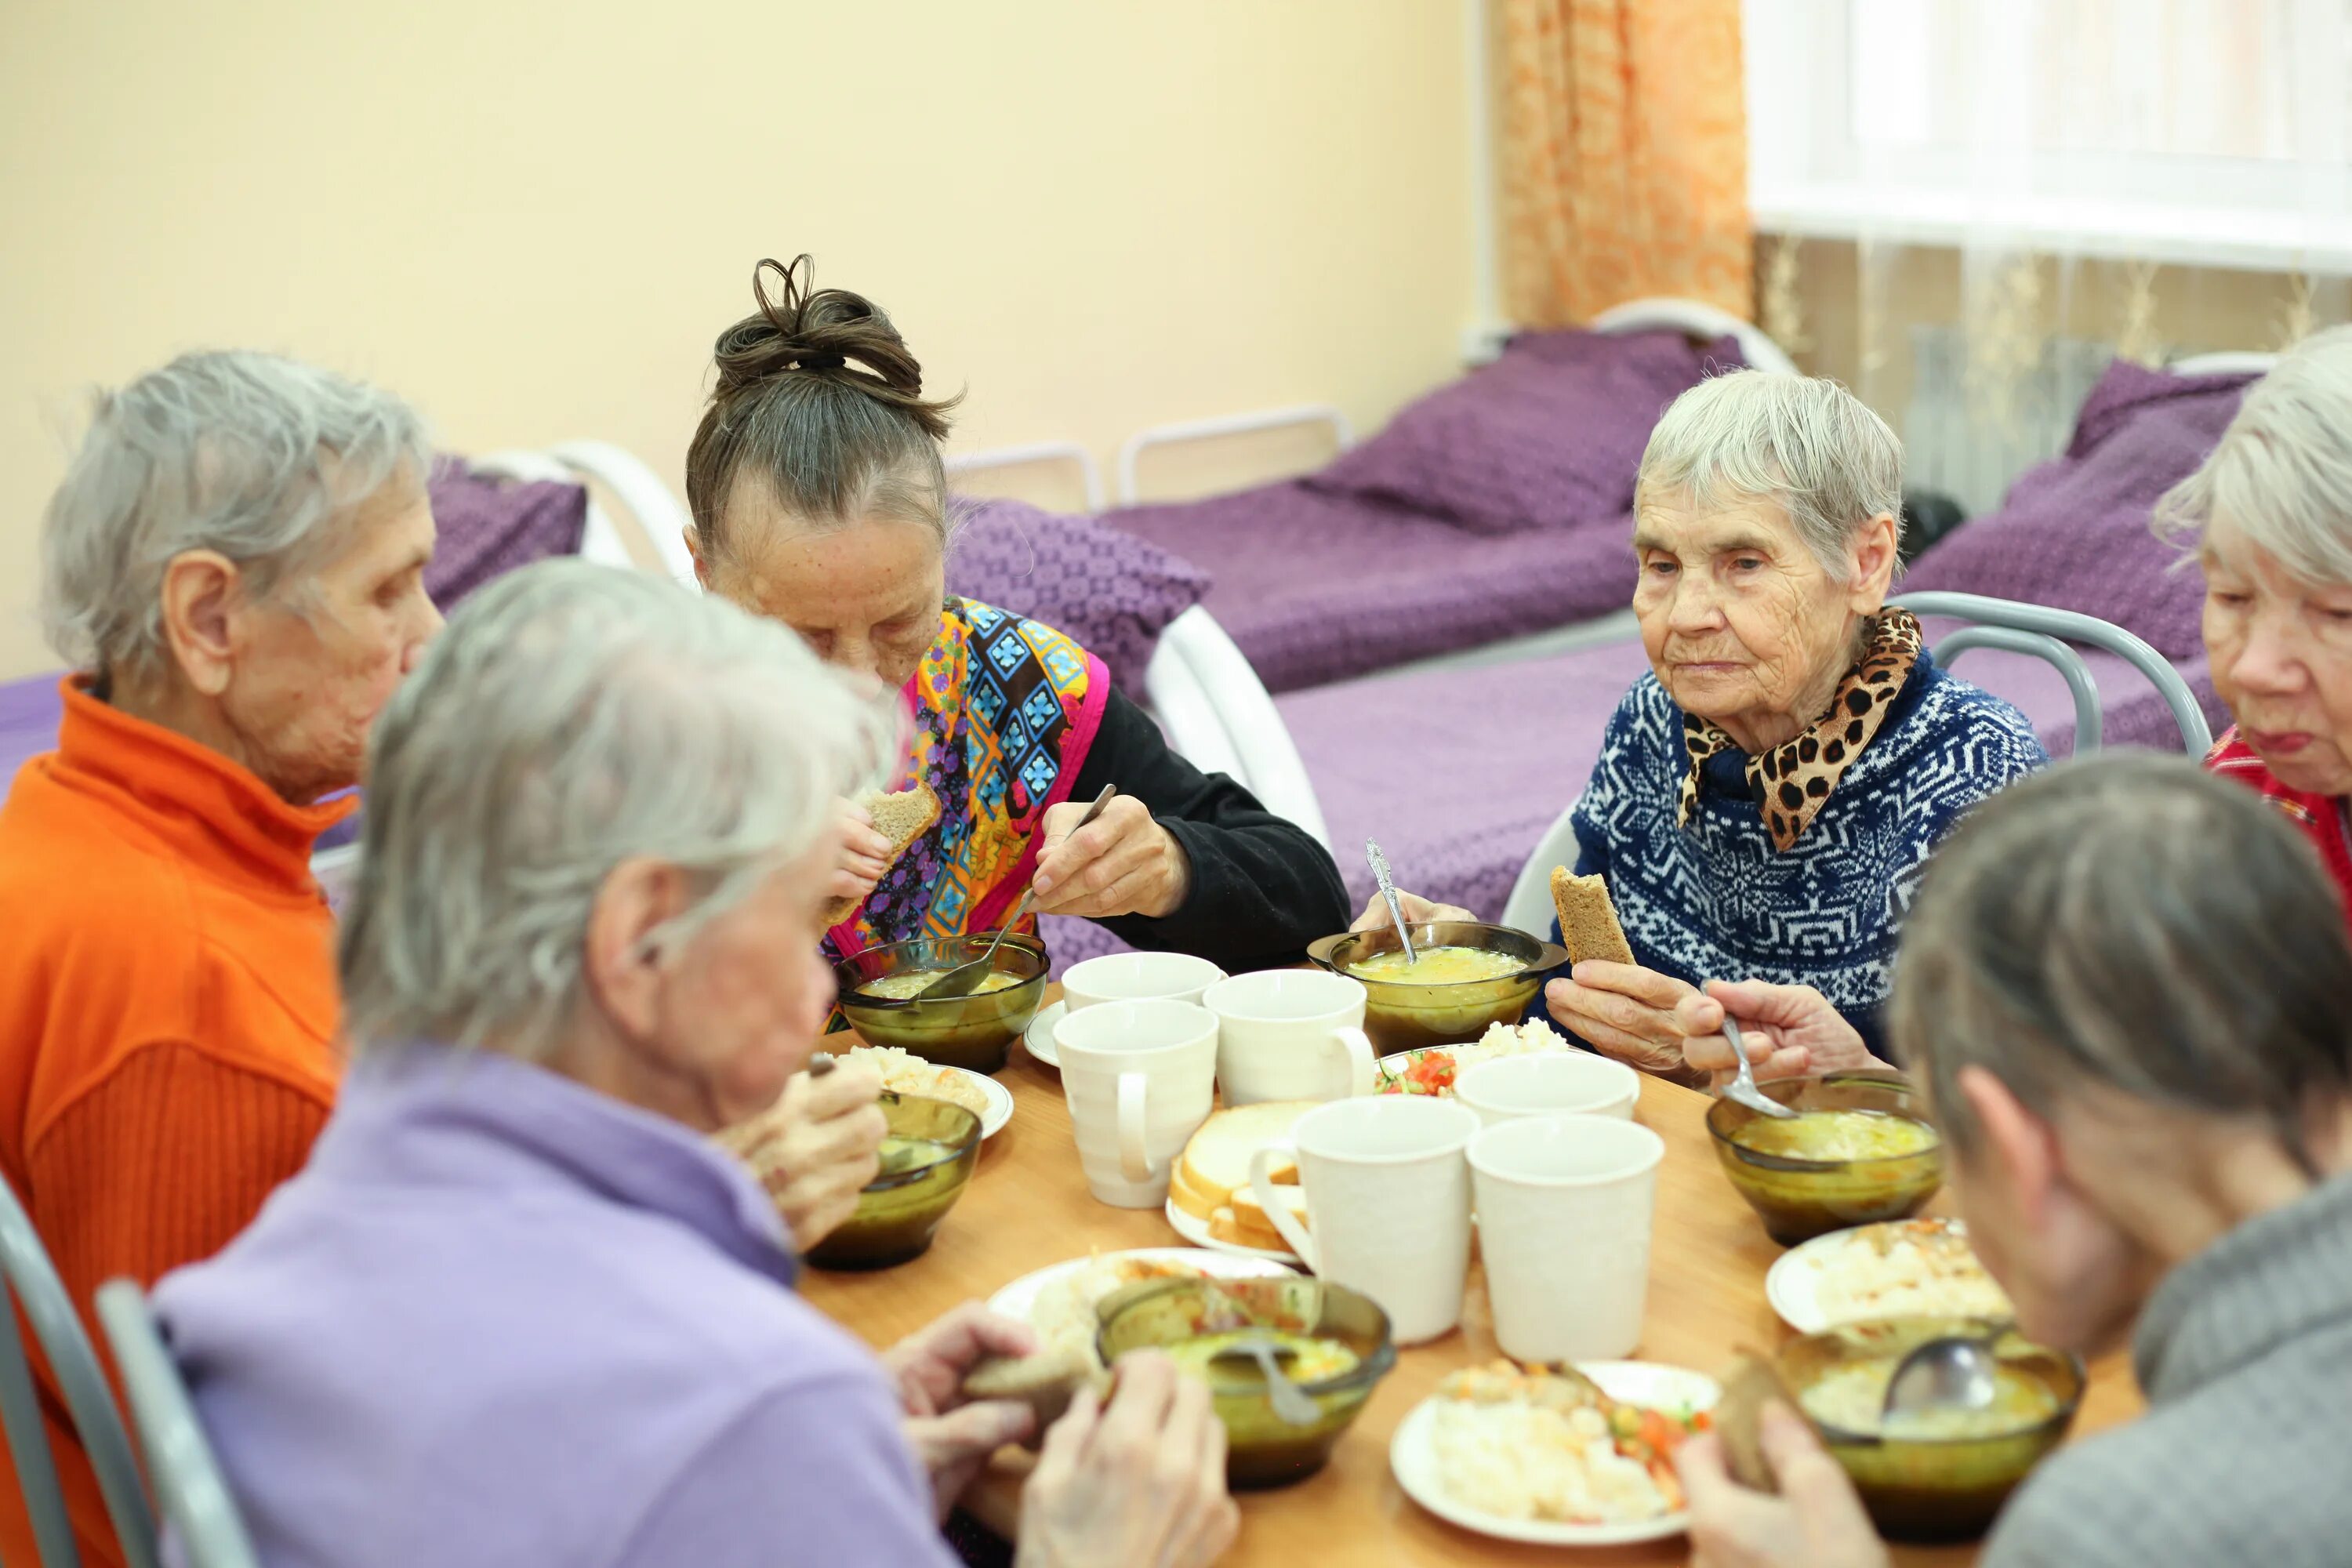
<point x="1941" y="1488"/>
<point x="1799" y="1198"/>
<point x="975" y="1032"/>
<point x="899" y="1211"/>
<point x="1404" y="1014"/>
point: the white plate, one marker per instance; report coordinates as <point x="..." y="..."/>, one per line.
<point x="1196" y="1231"/>
<point x="1793" y="1282"/>
<point x="999" y="1101"/>
<point x="1040" y="1037"/>
<point x="1413" y="1455"/>
<point x="1019" y="1299"/>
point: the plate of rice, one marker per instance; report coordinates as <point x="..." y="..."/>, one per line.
<point x="1520" y="1453"/>
<point x="1902" y="1269"/>
<point x="903" y="1073"/>
<point x="1059" y="1301"/>
<point x="1431" y="1070"/>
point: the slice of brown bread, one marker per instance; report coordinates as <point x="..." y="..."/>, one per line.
<point x="1046" y="1382"/>
<point x="1751" y="1384"/>
<point x="901" y="818"/>
<point x="1588" y="920"/>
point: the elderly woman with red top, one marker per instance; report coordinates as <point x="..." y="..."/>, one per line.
<point x="2271" y="516"/>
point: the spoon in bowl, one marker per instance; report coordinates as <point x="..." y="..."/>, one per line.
<point x="1290" y="1403"/>
<point x="1379" y="865"/>
<point x="1950" y="1372"/>
<point x="1742" y="1088"/>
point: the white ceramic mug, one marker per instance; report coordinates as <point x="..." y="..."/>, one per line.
<point x="1140" y="1077"/>
<point x="1138" y="977"/>
<point x="1553" y="1083"/>
<point x="1290" y="1034"/>
<point x="1388" y="1204"/>
<point x="1565" y="1204"/>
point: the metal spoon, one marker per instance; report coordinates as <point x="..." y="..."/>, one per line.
<point x="1950" y="1372"/>
<point x="1743" y="1087"/>
<point x="1290" y="1403"/>
<point x="965" y="978"/>
<point x="1380" y="864"/>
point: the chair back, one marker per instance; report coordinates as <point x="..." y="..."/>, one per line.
<point x="33" y="1284"/>
<point x="195" y="1499"/>
<point x="2045" y="632"/>
<point x="1529" y="907"/>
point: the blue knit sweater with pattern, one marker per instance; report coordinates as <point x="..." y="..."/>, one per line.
<point x="1716" y="901"/>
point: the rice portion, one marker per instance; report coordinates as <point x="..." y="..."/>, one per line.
<point x="1523" y="1462"/>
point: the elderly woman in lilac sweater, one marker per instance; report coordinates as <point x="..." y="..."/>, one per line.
<point x="519" y="1311"/>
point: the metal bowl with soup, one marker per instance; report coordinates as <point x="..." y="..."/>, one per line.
<point x="878" y="996"/>
<point x="1468" y="975"/>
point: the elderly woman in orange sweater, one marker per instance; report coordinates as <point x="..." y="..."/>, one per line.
<point x="234" y="567"/>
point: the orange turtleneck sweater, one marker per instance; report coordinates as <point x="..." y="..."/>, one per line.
<point x="167" y="1019"/>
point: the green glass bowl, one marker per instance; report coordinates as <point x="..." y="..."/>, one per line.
<point x="899" y="1212"/>
<point x="1261" y="1450"/>
<point x="972" y="1032"/>
<point x="1935" y="1489"/>
<point x="1800" y="1199"/>
<point x="1399" y="1016"/>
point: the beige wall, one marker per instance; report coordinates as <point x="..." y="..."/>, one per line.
<point x="532" y="217"/>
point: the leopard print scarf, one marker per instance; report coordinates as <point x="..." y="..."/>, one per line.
<point x="1792" y="781"/>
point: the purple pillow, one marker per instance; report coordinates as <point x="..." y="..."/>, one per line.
<point x="1550" y="433"/>
<point x="1111" y="593"/>
<point x="487" y="527"/>
<point x="2073" y="532"/>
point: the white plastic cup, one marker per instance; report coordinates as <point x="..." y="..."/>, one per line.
<point x="1388" y="1204"/>
<point x="1553" y="1083"/>
<point x="1290" y="1034"/>
<point x="1565" y="1209"/>
<point x="1140" y="1078"/>
<point x="1138" y="977"/>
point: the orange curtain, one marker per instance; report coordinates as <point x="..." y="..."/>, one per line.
<point x="1625" y="161"/>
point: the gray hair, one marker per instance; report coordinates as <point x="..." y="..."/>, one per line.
<point x="2282" y="475"/>
<point x="1802" y="443"/>
<point x="2133" y="922"/>
<point x="263" y="459"/>
<point x="571" y="716"/>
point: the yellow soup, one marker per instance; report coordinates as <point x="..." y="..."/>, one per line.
<point x="900" y="1155"/>
<point x="1837" y="1135"/>
<point x="1853" y="1398"/>
<point x="899" y="987"/>
<point x="1312" y="1359"/>
<point x="1438" y="966"/>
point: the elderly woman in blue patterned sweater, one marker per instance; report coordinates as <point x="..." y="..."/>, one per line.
<point x="1768" y="796"/>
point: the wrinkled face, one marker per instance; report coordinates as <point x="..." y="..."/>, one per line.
<point x="1741" y="622"/>
<point x="313" y="665"/>
<point x="2281" y="650"/>
<point x="866" y="596"/>
<point x="742" y="1004"/>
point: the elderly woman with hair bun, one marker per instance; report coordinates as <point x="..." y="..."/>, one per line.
<point x="600" y="835"/>
<point x="1767" y="796"/>
<point x="2123" y="984"/>
<point x="2270" y="514"/>
<point x="234" y="569"/>
<point x="820" y="501"/>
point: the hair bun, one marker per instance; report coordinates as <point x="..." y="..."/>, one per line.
<point x="832" y="333"/>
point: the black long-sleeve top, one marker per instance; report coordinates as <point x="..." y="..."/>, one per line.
<point x="1262" y="888"/>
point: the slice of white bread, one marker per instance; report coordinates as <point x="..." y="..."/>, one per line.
<point x="1190" y="1198"/>
<point x="1216" y="1163"/>
<point x="1588" y="920"/>
<point x="901" y="818"/>
<point x="1249" y="1215"/>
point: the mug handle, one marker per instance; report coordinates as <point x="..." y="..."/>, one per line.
<point x="1261" y="1180"/>
<point x="1358" y="1047"/>
<point x="1134" y="1158"/>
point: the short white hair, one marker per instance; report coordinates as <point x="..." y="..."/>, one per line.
<point x="262" y="459"/>
<point x="571" y="716"/>
<point x="1804" y="444"/>
<point x="2282" y="476"/>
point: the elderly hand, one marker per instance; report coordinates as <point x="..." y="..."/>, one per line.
<point x="1121" y="863"/>
<point x="1140" y="1481"/>
<point x="952" y="1436"/>
<point x="865" y="857"/>
<point x="1417" y="911"/>
<point x="1624" y="1011"/>
<point x="1817" y="1521"/>
<point x="821" y="1143"/>
<point x="1789" y="1030"/>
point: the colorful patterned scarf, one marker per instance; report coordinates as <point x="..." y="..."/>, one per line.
<point x="1004" y="712"/>
<point x="1792" y="781"/>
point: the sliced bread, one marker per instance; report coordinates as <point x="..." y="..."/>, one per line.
<point x="901" y="818"/>
<point x="1216" y="1163"/>
<point x="1588" y="920"/>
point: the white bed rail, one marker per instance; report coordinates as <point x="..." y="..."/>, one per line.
<point x="1218" y="714"/>
<point x="2232" y="361"/>
<point x="1130" y="452"/>
<point x="1696" y="320"/>
<point x="652" y="510"/>
<point x="1089" y="471"/>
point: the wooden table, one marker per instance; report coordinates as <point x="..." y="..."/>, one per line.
<point x="1028" y="1206"/>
